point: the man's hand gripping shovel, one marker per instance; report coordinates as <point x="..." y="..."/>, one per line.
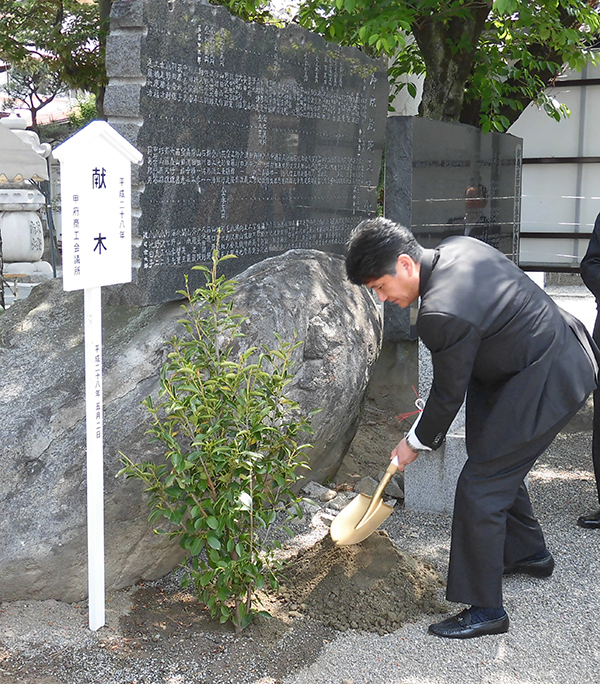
<point x="364" y="514"/>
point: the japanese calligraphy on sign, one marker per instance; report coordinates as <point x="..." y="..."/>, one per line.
<point x="96" y="207"/>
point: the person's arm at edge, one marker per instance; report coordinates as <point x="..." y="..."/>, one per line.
<point x="590" y="264"/>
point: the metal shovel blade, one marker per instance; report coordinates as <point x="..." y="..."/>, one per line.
<point x="363" y="515"/>
<point x="350" y="526"/>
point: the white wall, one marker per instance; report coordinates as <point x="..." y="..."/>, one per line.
<point x="561" y="197"/>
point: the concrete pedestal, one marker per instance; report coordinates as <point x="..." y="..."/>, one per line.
<point x="430" y="482"/>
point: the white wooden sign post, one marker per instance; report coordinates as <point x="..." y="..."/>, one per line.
<point x="95" y="170"/>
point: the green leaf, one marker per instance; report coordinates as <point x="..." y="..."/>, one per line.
<point x="505" y="6"/>
<point x="213" y="542"/>
<point x="195" y="546"/>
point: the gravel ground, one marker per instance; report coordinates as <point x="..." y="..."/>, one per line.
<point x="153" y="636"/>
<point x="553" y="638"/>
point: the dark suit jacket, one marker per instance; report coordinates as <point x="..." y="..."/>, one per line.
<point x="494" y="334"/>
<point x="590" y="264"/>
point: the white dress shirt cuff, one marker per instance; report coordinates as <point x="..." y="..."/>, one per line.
<point x="412" y="438"/>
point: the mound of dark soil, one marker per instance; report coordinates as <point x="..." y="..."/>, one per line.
<point x="372" y="586"/>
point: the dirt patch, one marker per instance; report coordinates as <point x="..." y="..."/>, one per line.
<point x="369" y="453"/>
<point x="371" y="586"/>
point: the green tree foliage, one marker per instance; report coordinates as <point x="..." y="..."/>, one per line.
<point x="84" y="112"/>
<point x="483" y="62"/>
<point x="231" y="452"/>
<point x="65" y="35"/>
<point x="32" y="85"/>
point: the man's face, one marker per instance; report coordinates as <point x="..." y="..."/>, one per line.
<point x="474" y="198"/>
<point x="403" y="287"/>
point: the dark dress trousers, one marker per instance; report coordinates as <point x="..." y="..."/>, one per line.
<point x="526" y="367"/>
<point x="590" y="272"/>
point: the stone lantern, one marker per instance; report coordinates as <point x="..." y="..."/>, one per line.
<point x="20" y="224"/>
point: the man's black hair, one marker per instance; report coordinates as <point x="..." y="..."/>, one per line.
<point x="374" y="247"/>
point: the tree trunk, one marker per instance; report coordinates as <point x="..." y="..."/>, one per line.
<point x="448" y="68"/>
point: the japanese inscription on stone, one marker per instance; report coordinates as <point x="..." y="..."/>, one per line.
<point x="271" y="136"/>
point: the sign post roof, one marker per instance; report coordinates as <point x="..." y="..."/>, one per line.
<point x="94" y="131"/>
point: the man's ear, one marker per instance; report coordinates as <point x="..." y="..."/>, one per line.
<point x="405" y="262"/>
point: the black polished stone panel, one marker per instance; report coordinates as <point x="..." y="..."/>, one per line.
<point x="461" y="182"/>
<point x="271" y="136"/>
<point x="447" y="179"/>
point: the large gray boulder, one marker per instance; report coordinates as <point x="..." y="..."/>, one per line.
<point x="43" y="538"/>
<point x="307" y="292"/>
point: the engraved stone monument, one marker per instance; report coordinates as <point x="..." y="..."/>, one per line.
<point x="270" y="136"/>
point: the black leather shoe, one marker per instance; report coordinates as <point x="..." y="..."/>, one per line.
<point x="541" y="567"/>
<point x="591" y="521"/>
<point x="461" y="627"/>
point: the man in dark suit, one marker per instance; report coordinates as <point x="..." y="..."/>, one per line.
<point x="526" y="368"/>
<point x="590" y="272"/>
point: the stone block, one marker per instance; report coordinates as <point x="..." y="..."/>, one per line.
<point x="123" y="100"/>
<point x="446" y="179"/>
<point x="430" y="481"/>
<point x="123" y="54"/>
<point x="126" y="14"/>
<point x="129" y="129"/>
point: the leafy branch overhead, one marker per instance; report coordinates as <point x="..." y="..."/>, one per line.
<point x="66" y="38"/>
<point x="483" y="62"/>
<point x="64" y="34"/>
<point x="230" y="439"/>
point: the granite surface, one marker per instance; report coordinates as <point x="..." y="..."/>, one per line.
<point x="266" y="139"/>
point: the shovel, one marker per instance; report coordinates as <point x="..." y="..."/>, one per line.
<point x="364" y="514"/>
